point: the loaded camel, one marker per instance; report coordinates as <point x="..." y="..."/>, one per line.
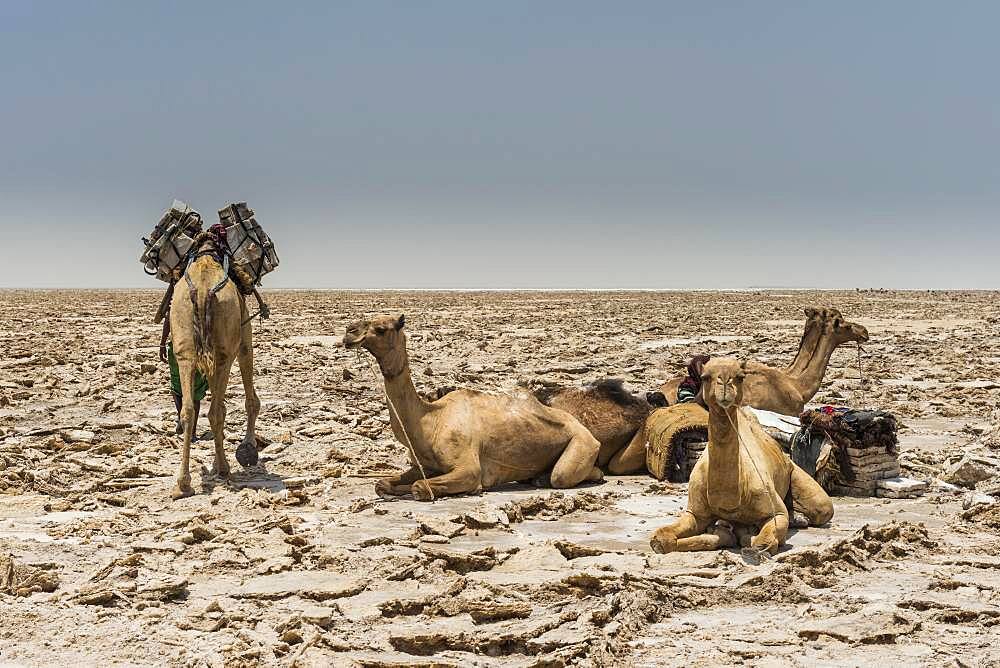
<point x="743" y="479"/>
<point x="468" y="441"/>
<point x="210" y="329"/>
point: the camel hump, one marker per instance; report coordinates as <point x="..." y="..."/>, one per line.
<point x="613" y="389"/>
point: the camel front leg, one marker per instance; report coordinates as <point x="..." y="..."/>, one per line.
<point x="463" y="479"/>
<point x="632" y="458"/>
<point x="810" y="499"/>
<point x="182" y="488"/>
<point x="716" y="538"/>
<point x="397" y="485"/>
<point x="772" y="534"/>
<point x="246" y="453"/>
<point x="666" y="539"/>
<point x="217" y="416"/>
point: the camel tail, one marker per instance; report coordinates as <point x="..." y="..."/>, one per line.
<point x="204" y="356"/>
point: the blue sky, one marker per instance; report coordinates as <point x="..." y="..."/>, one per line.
<point x="514" y="144"/>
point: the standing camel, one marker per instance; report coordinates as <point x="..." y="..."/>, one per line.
<point x="210" y="329"/>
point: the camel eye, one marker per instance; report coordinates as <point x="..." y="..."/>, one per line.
<point x="837" y="323"/>
<point x="381" y="330"/>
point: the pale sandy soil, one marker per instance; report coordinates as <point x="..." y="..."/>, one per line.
<point x="298" y="562"/>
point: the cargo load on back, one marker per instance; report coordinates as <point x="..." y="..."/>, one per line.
<point x="251" y="251"/>
<point x="171" y="240"/>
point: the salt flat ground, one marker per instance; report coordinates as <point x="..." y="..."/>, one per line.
<point x="298" y="562"/>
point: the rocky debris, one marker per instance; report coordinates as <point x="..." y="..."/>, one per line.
<point x="462" y="561"/>
<point x="19" y="579"/>
<point x="953" y="607"/>
<point x="973" y="499"/>
<point x="486" y="517"/>
<point x="445" y="528"/>
<point x="315" y="585"/>
<point x="970" y="470"/>
<point x="821" y="567"/>
<point x="867" y="627"/>
<point x="160" y="586"/>
<point x="557" y="504"/>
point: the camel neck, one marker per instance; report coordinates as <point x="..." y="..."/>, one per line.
<point x="724" y="456"/>
<point x="808" y="381"/>
<point x="807" y="348"/>
<point x="407" y="406"/>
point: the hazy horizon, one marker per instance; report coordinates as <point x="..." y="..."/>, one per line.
<point x="570" y="145"/>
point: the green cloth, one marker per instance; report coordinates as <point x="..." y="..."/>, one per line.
<point x="200" y="382"/>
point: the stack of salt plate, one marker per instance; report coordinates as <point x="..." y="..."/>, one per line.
<point x="854" y="452"/>
<point x="251" y="248"/>
<point x="170" y="241"/>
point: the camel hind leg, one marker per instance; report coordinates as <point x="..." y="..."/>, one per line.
<point x="246" y="453"/>
<point x="182" y="488"/>
<point x="632" y="457"/>
<point x="578" y="461"/>
<point x="217" y="414"/>
<point x="810" y="499"/>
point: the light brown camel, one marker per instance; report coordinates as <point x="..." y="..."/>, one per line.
<point x="609" y="411"/>
<point x="743" y="479"/>
<point x="787" y="391"/>
<point x="210" y="329"/>
<point x="468" y="441"/>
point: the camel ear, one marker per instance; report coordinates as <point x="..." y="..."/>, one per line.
<point x="400" y="322"/>
<point x="743" y="366"/>
<point x="811" y="312"/>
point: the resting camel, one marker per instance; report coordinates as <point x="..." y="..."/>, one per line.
<point x="787" y="391"/>
<point x="743" y="479"/>
<point x="210" y="329"/>
<point x="609" y="411"/>
<point x="468" y="441"/>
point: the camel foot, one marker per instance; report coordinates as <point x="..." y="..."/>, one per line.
<point x="246" y="454"/>
<point x="798" y="521"/>
<point x="221" y="471"/>
<point x="181" y="491"/>
<point x="421" y="491"/>
<point x="663" y="542"/>
<point x="726" y="535"/>
<point x="595" y="475"/>
<point x="384" y="488"/>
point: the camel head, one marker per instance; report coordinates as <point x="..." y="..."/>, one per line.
<point x="383" y="337"/>
<point x="722" y="382"/>
<point x="844" y="331"/>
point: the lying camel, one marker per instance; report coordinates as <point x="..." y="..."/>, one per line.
<point x="468" y="441"/>
<point x="743" y="478"/>
<point x="210" y="329"/>
<point x="787" y="391"/>
<point x="609" y="411"/>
